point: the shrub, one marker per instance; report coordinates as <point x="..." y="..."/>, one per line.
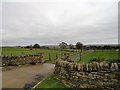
<point x="114" y="60"/>
<point x="96" y="59"/>
<point x="33" y="62"/>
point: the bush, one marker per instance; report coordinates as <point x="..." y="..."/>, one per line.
<point x="33" y="62"/>
<point x="96" y="59"/>
<point x="114" y="60"/>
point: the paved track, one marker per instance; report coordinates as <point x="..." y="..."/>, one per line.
<point x="18" y="77"/>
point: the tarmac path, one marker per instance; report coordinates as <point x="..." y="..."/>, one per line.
<point x="19" y="76"/>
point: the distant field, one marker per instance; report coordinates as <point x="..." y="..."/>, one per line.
<point x="105" y="55"/>
<point x="24" y="51"/>
<point x="86" y="55"/>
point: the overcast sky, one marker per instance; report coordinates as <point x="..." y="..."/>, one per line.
<point x="86" y="21"/>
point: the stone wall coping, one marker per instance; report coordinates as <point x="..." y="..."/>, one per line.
<point x="90" y="67"/>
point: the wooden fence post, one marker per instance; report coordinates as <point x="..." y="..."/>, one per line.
<point x="49" y="57"/>
<point x="56" y="56"/>
<point x="80" y="57"/>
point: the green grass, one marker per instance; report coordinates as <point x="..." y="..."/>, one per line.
<point x="86" y="55"/>
<point x="51" y="82"/>
<point x="19" y="51"/>
<point x="105" y="55"/>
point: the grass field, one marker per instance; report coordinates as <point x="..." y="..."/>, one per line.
<point x="86" y="55"/>
<point x="50" y="82"/>
<point x="103" y="55"/>
<point x="24" y="51"/>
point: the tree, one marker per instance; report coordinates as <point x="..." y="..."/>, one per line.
<point x="71" y="46"/>
<point x="79" y="45"/>
<point x="36" y="46"/>
<point x="44" y="47"/>
<point x="31" y="47"/>
<point x="27" y="47"/>
<point x="63" y="45"/>
<point x="94" y="47"/>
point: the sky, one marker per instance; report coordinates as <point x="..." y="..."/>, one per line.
<point x="50" y="22"/>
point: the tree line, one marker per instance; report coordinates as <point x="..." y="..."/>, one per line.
<point x="78" y="45"/>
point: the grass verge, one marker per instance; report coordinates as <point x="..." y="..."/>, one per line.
<point x="51" y="82"/>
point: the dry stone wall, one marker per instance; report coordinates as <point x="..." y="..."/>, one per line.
<point x="66" y="57"/>
<point x="94" y="75"/>
<point x="21" y="60"/>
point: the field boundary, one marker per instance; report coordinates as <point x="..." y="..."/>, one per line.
<point x="93" y="75"/>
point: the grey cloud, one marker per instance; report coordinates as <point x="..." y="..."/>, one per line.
<point x="52" y="23"/>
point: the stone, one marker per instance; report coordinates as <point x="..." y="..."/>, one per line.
<point x="104" y="66"/>
<point x="81" y="67"/>
<point x="79" y="75"/>
<point x="94" y="66"/>
<point x="14" y="60"/>
<point x="119" y="66"/>
<point x="107" y="74"/>
<point x="84" y="67"/>
<point x="82" y="76"/>
<point x="87" y="67"/>
<point x="112" y="76"/>
<point x="114" y="81"/>
<point x="74" y="66"/>
<point x="71" y="66"/>
<point x="112" y="67"/>
<point x="116" y="66"/>
<point x="78" y="67"/>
